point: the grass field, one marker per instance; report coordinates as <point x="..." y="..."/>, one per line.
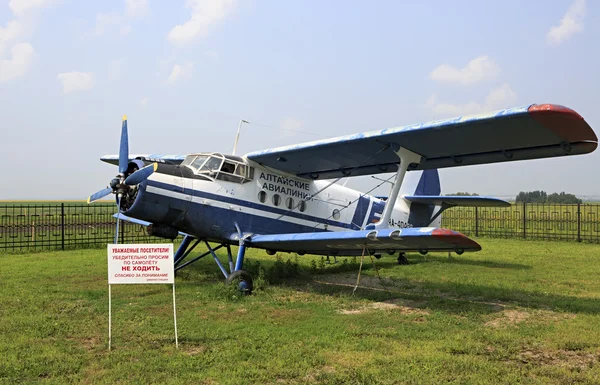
<point x="517" y="312"/>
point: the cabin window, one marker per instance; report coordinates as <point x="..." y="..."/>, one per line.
<point x="198" y="162"/>
<point x="262" y="196"/>
<point x="336" y="214"/>
<point x="224" y="167"/>
<point x="289" y="203"/>
<point x="276" y="199"/>
<point x="302" y="206"/>
<point x="212" y="164"/>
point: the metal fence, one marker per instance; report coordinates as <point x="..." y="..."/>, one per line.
<point x="565" y="222"/>
<point x="63" y="226"/>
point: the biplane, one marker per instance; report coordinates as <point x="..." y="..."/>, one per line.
<point x="286" y="199"/>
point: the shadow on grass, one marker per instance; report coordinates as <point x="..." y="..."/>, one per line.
<point x="460" y="261"/>
<point x="451" y="297"/>
<point x="454" y="297"/>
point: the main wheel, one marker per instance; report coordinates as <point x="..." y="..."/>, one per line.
<point x="402" y="260"/>
<point x="242" y="279"/>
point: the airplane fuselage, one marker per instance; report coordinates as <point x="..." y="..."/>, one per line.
<point x="270" y="202"/>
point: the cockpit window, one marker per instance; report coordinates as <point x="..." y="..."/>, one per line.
<point x="198" y="162"/>
<point x="212" y="164"/>
<point x="222" y="167"/>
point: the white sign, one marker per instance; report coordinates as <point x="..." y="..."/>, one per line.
<point x="140" y="263"/>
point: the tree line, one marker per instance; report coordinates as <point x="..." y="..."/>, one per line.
<point x="536" y="197"/>
<point x="543" y="197"/>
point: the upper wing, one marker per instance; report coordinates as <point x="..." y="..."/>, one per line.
<point x="536" y="131"/>
<point x="465" y="201"/>
<point x="159" y="158"/>
<point x="352" y="242"/>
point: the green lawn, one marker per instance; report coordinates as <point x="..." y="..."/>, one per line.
<point x="517" y="312"/>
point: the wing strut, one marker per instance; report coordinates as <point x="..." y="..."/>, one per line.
<point x="407" y="158"/>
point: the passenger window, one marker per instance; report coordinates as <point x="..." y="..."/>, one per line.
<point x="302" y="206"/>
<point x="276" y="199"/>
<point x="262" y="196"/>
<point x="289" y="203"/>
<point x="336" y="214"/>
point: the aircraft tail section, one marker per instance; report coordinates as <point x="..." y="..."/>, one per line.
<point x="426" y="203"/>
<point x="422" y="183"/>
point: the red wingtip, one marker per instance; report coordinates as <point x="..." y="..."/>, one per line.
<point x="554" y="108"/>
<point x="460" y="241"/>
<point x="566" y="123"/>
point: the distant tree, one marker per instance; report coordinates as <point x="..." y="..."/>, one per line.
<point x="563" y="198"/>
<point x="464" y="194"/>
<point x="542" y="197"/>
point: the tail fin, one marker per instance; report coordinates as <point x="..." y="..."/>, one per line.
<point x="422" y="183"/>
<point x="425" y="182"/>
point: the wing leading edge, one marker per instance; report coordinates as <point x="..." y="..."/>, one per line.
<point x="530" y="132"/>
<point x="349" y="243"/>
<point x="464" y="201"/>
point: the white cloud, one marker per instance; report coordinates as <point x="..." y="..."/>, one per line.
<point x="13" y="31"/>
<point x="144" y="101"/>
<point x="498" y="98"/>
<point x="20" y="7"/>
<point x="136" y="7"/>
<point x="19" y="62"/>
<point x="477" y="70"/>
<point x="205" y="14"/>
<point x="570" y="24"/>
<point x="16" y="53"/>
<point x="76" y="81"/>
<point x="180" y="71"/>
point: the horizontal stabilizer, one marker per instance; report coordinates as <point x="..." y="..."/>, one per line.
<point x="465" y="201"/>
<point x="349" y="243"/>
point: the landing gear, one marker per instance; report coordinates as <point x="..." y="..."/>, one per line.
<point x="234" y="275"/>
<point x="402" y="260"/>
<point x="243" y="281"/>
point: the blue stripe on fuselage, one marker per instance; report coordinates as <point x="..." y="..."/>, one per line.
<point x="361" y="211"/>
<point x="253" y="205"/>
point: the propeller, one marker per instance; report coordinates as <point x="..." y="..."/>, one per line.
<point x="124" y="185"/>
<point x="141" y="175"/>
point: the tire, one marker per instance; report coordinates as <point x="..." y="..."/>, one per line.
<point x="402" y="260"/>
<point x="242" y="279"/>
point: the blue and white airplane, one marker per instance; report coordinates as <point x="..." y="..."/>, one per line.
<point x="286" y="199"/>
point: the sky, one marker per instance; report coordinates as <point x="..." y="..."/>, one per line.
<point x="186" y="71"/>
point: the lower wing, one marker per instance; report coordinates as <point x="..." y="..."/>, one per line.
<point x="466" y="201"/>
<point x="372" y="241"/>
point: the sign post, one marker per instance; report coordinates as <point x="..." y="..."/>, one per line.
<point x="140" y="264"/>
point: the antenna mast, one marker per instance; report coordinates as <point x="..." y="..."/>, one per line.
<point x="237" y="137"/>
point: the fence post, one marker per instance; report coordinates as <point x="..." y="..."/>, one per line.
<point x="524" y="219"/>
<point x="62" y="226"/>
<point x="476" y="223"/>
<point x="578" y="222"/>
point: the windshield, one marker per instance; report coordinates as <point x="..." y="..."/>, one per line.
<point x="227" y="168"/>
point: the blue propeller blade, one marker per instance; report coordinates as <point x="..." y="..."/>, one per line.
<point x="118" y="220"/>
<point x="141" y="175"/>
<point x="99" y="195"/>
<point x="124" y="147"/>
